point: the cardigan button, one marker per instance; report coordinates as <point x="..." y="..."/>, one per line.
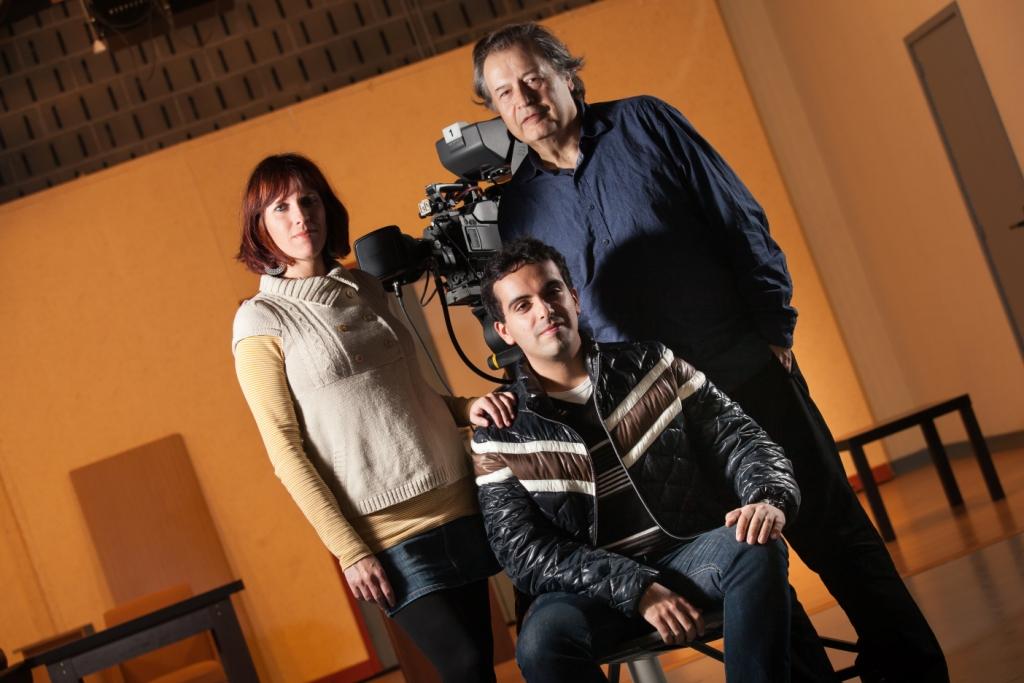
<point x="369" y="317"/>
<point x="388" y="343"/>
<point x="358" y="358"/>
<point x="350" y="293"/>
<point x="343" y="328"/>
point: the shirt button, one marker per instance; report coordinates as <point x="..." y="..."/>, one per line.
<point x="343" y="328"/>
<point x="607" y="241"/>
<point x="358" y="358"/>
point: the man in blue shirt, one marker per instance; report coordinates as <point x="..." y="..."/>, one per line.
<point x="665" y="243"/>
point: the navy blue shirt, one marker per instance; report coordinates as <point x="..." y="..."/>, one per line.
<point x="662" y="239"/>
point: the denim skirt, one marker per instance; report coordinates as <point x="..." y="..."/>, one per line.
<point x="452" y="555"/>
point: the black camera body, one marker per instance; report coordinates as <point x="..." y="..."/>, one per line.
<point x="463" y="230"/>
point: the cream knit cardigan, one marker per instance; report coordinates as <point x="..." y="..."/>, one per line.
<point x="373" y="429"/>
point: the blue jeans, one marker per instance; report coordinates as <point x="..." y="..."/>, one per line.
<point x="563" y="634"/>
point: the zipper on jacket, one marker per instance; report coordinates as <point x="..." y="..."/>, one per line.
<point x="615" y="449"/>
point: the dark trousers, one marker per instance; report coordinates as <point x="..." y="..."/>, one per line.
<point x="564" y="633"/>
<point x="834" y="537"/>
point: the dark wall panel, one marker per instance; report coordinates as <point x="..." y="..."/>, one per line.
<point x="65" y="111"/>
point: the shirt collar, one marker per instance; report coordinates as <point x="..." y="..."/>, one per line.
<point x="526" y="385"/>
<point x="592" y="125"/>
<point x="318" y="289"/>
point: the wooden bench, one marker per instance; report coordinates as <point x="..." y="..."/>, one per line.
<point x="925" y="419"/>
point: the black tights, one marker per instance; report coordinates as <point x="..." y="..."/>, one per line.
<point x="452" y="627"/>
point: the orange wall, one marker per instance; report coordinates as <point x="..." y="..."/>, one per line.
<point x="895" y="243"/>
<point x="120" y="289"/>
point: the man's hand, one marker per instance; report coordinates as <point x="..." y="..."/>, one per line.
<point x="677" y="621"/>
<point x="497" y="408"/>
<point x="757" y="522"/>
<point x="784" y="355"/>
<point x="368" y="582"/>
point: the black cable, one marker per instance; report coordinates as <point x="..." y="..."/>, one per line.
<point x="397" y="287"/>
<point x="423" y="294"/>
<point x="455" y="341"/>
<point x="433" y="293"/>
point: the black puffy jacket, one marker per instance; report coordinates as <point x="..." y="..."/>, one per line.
<point x="690" y="452"/>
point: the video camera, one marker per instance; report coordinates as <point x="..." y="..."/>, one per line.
<point x="463" y="230"/>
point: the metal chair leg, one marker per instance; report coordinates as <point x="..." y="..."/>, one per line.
<point x="647" y="670"/>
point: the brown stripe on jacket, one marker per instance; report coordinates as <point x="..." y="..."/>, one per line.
<point x="536" y="465"/>
<point x="487" y="463"/>
<point x="645" y="412"/>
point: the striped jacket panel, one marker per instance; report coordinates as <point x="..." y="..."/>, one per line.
<point x="689" y="451"/>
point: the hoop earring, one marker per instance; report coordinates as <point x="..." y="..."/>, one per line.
<point x="273" y="271"/>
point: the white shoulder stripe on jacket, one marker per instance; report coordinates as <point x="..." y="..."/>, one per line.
<point x="538" y="485"/>
<point x="494" y="477"/>
<point x="669" y="414"/>
<point x="529" y="447"/>
<point x="558" y="486"/>
<point x="692" y="385"/>
<point x="642" y="387"/>
<point x="645" y="441"/>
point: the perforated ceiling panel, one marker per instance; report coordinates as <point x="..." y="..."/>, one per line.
<point x="65" y="111"/>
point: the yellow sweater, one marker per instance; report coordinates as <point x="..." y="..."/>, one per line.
<point x="259" y="364"/>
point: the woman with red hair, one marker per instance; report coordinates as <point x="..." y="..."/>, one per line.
<point x="369" y="452"/>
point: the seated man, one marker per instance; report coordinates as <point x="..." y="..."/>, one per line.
<point x="627" y="493"/>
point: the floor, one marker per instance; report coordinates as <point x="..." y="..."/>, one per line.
<point x="966" y="570"/>
<point x="975" y="604"/>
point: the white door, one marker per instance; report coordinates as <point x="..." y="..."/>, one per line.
<point x="979" y="149"/>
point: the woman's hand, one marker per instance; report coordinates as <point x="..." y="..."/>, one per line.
<point x="497" y="408"/>
<point x="757" y="522"/>
<point x="367" y="580"/>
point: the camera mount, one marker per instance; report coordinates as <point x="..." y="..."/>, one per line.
<point x="462" y="234"/>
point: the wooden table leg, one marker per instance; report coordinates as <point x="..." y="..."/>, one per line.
<point x="981" y="452"/>
<point x="867" y="480"/>
<point x="234" y="653"/>
<point x="941" y="461"/>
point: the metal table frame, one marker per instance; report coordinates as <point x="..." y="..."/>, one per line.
<point x="210" y="611"/>
<point x="925" y="419"/>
